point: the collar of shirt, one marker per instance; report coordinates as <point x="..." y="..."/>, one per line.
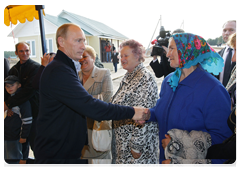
<point x="226" y="51"/>
<point x="227" y="47"/>
<point x="77" y="65"/>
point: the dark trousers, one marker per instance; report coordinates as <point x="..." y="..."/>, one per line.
<point x="115" y="66"/>
<point x="12" y="151"/>
<point x="29" y="142"/>
<point x="61" y="161"/>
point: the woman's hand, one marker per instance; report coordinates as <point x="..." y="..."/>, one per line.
<point x="135" y="154"/>
<point x="167" y="161"/>
<point x="166" y="141"/>
<point x="141" y="114"/>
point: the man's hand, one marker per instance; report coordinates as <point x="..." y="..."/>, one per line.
<point x="9" y="112"/>
<point x="165" y="49"/>
<point x="22" y="140"/>
<point x="135" y="154"/>
<point x="167" y="161"/>
<point x="140" y="114"/>
<point x="5" y="107"/>
<point x="142" y="122"/>
<point x="166" y="141"/>
<point x="45" y="59"/>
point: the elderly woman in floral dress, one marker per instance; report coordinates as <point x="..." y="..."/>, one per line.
<point x="132" y="143"/>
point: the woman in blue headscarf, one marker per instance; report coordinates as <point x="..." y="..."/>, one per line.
<point x="191" y="100"/>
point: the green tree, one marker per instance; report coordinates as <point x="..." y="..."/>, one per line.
<point x="216" y="41"/>
<point x="8" y="54"/>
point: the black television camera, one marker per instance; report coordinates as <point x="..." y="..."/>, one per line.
<point x="162" y="40"/>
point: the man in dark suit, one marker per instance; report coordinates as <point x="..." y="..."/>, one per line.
<point x="163" y="68"/>
<point x="226" y="53"/>
<point x="115" y="59"/>
<point x="64" y="103"/>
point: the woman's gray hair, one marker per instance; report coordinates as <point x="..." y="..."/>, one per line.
<point x="138" y="49"/>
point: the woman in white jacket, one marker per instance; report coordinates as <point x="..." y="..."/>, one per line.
<point x="97" y="82"/>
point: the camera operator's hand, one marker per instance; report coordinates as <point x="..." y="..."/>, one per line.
<point x="165" y="49"/>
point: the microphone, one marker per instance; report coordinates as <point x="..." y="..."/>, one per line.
<point x="154" y="42"/>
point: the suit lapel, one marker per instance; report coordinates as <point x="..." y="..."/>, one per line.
<point x="221" y="52"/>
<point x="90" y="81"/>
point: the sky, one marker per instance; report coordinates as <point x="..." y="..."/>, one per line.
<point x="138" y="19"/>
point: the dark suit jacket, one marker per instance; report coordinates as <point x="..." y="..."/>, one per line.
<point x="64" y="103"/>
<point x="221" y="54"/>
<point x="36" y="80"/>
<point x="114" y="57"/>
<point x="6" y="69"/>
<point x="163" y="68"/>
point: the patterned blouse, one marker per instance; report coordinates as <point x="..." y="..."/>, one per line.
<point x="137" y="88"/>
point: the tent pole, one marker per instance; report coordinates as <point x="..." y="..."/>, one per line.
<point x="41" y="24"/>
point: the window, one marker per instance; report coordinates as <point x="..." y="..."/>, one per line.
<point x="49" y="45"/>
<point x="32" y="47"/>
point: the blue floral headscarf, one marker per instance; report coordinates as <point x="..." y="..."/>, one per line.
<point x="193" y="49"/>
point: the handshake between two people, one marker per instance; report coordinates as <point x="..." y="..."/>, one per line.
<point x="141" y="115"/>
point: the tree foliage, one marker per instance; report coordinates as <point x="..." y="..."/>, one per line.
<point x="216" y="41"/>
<point x="8" y="54"/>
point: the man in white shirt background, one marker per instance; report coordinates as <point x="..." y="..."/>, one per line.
<point x="226" y="53"/>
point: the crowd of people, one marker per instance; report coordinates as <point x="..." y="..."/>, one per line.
<point x="65" y="109"/>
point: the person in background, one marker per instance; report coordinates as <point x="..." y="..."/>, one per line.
<point x="96" y="81"/>
<point x="113" y="48"/>
<point x="16" y="126"/>
<point x="6" y="70"/>
<point x="108" y="50"/>
<point x="25" y="70"/>
<point x="47" y="58"/>
<point x="226" y="53"/>
<point x="232" y="85"/>
<point x="115" y="60"/>
<point x="163" y="68"/>
<point x="227" y="149"/>
<point x="191" y="98"/>
<point x="65" y="104"/>
<point x="132" y="143"/>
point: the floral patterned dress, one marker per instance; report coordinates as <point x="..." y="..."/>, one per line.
<point x="137" y="88"/>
